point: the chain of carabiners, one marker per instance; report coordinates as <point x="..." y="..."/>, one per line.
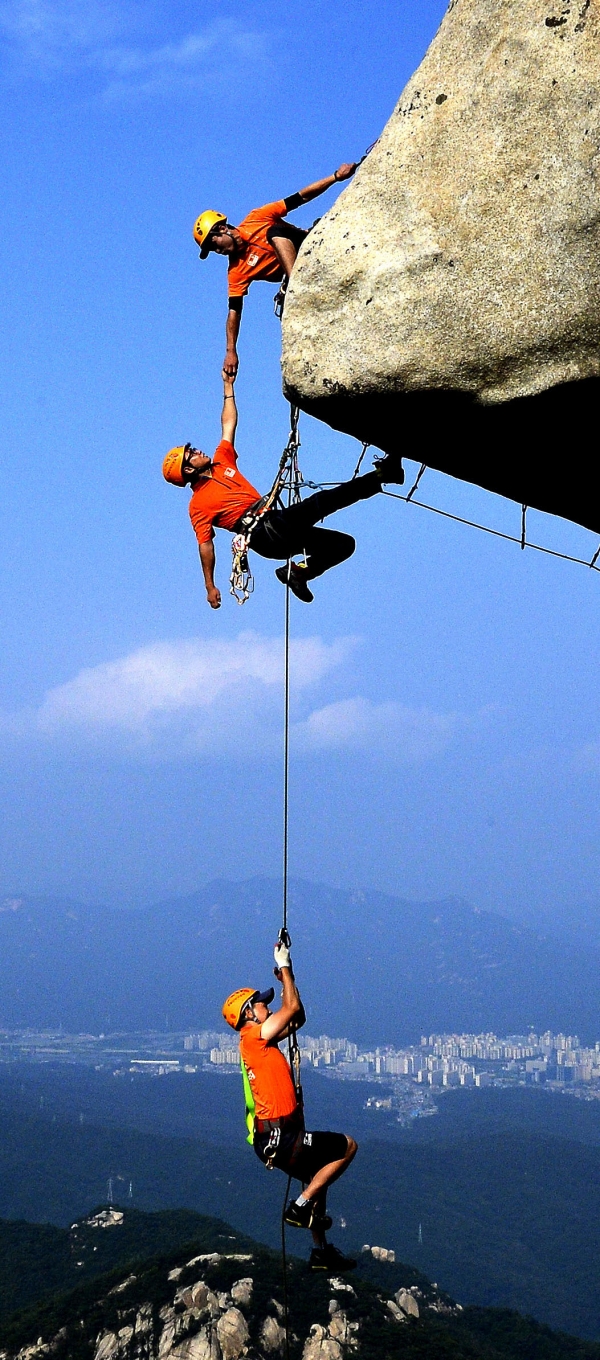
<point x="288" y="477"/>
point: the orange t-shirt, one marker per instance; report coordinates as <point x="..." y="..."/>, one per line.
<point x="268" y="1073"/>
<point x="223" y="497"/>
<point x="259" y="260"/>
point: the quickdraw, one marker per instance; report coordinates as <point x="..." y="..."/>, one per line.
<point x="241" y="581"/>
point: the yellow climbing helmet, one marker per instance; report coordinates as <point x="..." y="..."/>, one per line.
<point x="234" y="1005"/>
<point x="172" y="465"/>
<point x="203" y="227"/>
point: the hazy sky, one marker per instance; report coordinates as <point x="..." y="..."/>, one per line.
<point x="446" y="735"/>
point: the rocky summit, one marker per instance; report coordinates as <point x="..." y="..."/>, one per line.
<point x="229" y="1303"/>
<point x="222" y="1306"/>
<point x="449" y="303"/>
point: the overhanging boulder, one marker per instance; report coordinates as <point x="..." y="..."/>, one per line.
<point x="449" y="303"/>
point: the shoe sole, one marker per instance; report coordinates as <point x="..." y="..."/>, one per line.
<point x="306" y="599"/>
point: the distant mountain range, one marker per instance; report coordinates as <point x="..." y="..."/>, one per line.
<point x="370" y="966"/>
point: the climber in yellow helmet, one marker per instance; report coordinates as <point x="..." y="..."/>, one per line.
<point x="263" y="246"/>
<point x="221" y="496"/>
<point x="280" y="1138"/>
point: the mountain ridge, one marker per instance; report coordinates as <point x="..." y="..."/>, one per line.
<point x="221" y="1297"/>
<point x="507" y="1220"/>
<point x="393" y="968"/>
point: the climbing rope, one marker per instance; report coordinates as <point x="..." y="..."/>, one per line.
<point x="291" y="480"/>
<point x="358" y="465"/>
<point x="522" y="540"/>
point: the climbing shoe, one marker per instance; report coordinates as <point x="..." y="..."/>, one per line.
<point x="306" y="1216"/>
<point x="389" y="469"/>
<point x="330" y="1259"/>
<point x="297" y="581"/>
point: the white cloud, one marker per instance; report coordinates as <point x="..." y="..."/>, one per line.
<point x="173" y="700"/>
<point x="173" y="677"/>
<point x="388" y="729"/>
<point x="199" y="60"/>
<point x="46" y="36"/>
<point x="49" y="33"/>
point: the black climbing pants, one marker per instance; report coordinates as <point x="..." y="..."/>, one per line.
<point x="283" y="533"/>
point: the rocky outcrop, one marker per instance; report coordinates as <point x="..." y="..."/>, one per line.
<point x="407" y="1302"/>
<point x="334" y="1341"/>
<point x="192" y="1317"/>
<point x="449" y="303"/>
<point x="381" y="1253"/>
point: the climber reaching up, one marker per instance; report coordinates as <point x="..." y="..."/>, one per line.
<point x="222" y="497"/>
<point x="279" y="1136"/>
<point x="262" y="247"/>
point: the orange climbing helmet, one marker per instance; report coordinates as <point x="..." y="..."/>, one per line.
<point x="203" y="227"/>
<point x="235" y="1004"/>
<point x="172" y="465"/>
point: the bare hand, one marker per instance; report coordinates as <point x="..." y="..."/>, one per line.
<point x="231" y="365"/>
<point x="345" y="171"/>
<point x="214" y="597"/>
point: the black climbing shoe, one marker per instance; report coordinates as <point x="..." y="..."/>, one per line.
<point x="297" y="581"/>
<point x="306" y="1216"/>
<point x="330" y="1259"/>
<point x="390" y="469"/>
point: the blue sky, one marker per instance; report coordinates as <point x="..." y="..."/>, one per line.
<point x="445" y="715"/>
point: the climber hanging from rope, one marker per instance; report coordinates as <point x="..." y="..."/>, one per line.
<point x="279" y="1137"/>
<point x="222" y="497"/>
<point x="262" y="247"/>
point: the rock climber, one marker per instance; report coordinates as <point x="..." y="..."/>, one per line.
<point x="262" y="247"/>
<point x="280" y="1138"/>
<point x="221" y="496"/>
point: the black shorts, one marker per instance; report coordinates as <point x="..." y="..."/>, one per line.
<point x="300" y="1153"/>
<point x="289" y="231"/>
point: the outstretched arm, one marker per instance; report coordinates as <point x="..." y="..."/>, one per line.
<point x="276" y="1026"/>
<point x="345" y="171"/>
<point x="229" y="414"/>
<point x="207" y="561"/>
<point x="232" y="330"/>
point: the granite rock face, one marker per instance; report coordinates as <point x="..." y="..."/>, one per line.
<point x="449" y="303"/>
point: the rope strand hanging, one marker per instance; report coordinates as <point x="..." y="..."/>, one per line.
<point x="288" y="479"/>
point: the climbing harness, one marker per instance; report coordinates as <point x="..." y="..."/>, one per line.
<point x="288" y="477"/>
